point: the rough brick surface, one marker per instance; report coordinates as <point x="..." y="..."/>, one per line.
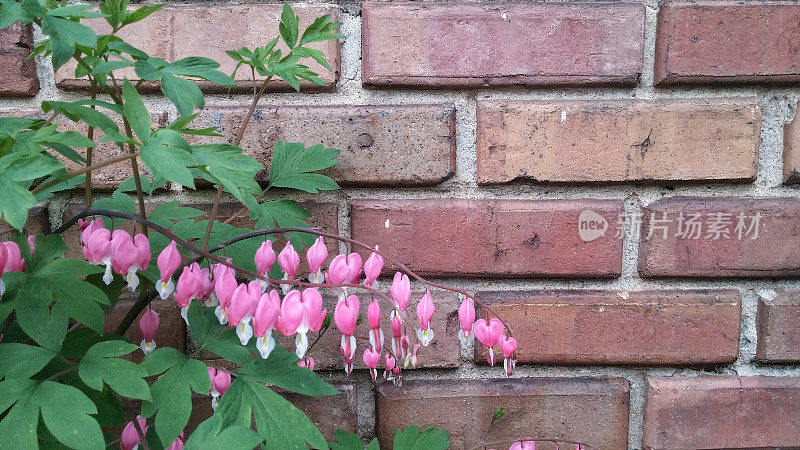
<point x="179" y="31"/>
<point x="38" y="222"/>
<point x="775" y="251"/>
<point x="490" y="237"/>
<point x="444" y="351"/>
<point x="458" y="44"/>
<point x="17" y="73"/>
<point x="776" y="323"/>
<point x="618" y="140"/>
<point x="619" y="327"/>
<point x="791" y="152"/>
<point x="380" y="145"/>
<point x="591" y="410"/>
<point x="760" y="42"/>
<point x="722" y="412"/>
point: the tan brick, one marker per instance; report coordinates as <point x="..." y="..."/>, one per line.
<point x="618" y="140"/>
<point x="776" y="324"/>
<point x="17" y="72"/>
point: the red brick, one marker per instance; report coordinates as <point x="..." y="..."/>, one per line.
<point x="391" y="145"/>
<point x="619" y="327"/>
<point x="179" y="31"/>
<point x="775" y="251"/>
<point x="776" y="323"/>
<point x="444" y="351"/>
<point x="171" y="329"/>
<point x="501" y="45"/>
<point x="17" y="73"/>
<point x="791" y="152"/>
<point x="722" y="412"/>
<point x="759" y="45"/>
<point x="591" y="410"/>
<point x="490" y="237"/>
<point x="618" y="140"/>
<point x="38" y="222"/>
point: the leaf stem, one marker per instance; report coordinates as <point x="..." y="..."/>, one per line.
<point x="74" y="174"/>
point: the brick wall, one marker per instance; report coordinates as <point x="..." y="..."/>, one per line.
<point x="494" y="146"/>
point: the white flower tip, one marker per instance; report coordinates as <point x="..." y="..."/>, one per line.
<point x="184" y="314"/>
<point x="147" y="347"/>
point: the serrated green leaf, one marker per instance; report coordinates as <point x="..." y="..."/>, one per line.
<point x="431" y="438"/>
<point x="289" y="26"/>
<point x="281" y="370"/>
<point x="350" y="441"/>
<point x="167" y="155"/>
<point x="64" y="35"/>
<point x="291" y="166"/>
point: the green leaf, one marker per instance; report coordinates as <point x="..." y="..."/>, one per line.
<point x="22" y="361"/>
<point x="430" y="439"/>
<point x="44" y="325"/>
<point x="291" y="166"/>
<point x="317" y="55"/>
<point x="167" y="155"/>
<point x="350" y="441"/>
<point x="148" y="186"/>
<point x="279" y="423"/>
<point x="101" y="365"/>
<point x="320" y="30"/>
<point x="229" y="167"/>
<point x="183" y="93"/>
<point x="283" y="213"/>
<point x="64" y="34"/>
<point x="136" y="112"/>
<point x="281" y="370"/>
<point x="140" y="13"/>
<point x="210" y="435"/>
<point x="162" y="359"/>
<point x="289" y="26"/>
<point x="16" y="202"/>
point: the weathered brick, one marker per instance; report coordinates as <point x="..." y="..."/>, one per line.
<point x="759" y="45"/>
<point x="327" y="413"/>
<point x="776" y="324"/>
<point x="722" y="412"/>
<point x="591" y="410"/>
<point x="380" y="145"/>
<point x="686" y="327"/>
<point x="490" y="237"/>
<point x="17" y="73"/>
<point x="774" y="251"/>
<point x="444" y="351"/>
<point x="38" y="222"/>
<point x="791" y="152"/>
<point x="475" y="45"/>
<point x="618" y="140"/>
<point x="171" y="329"/>
<point x="177" y="32"/>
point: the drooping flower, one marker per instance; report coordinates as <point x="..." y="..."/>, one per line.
<point x="148" y="325"/>
<point x="264" y="258"/>
<point x="299" y="315"/>
<point x="10" y="261"/>
<point x="2" y="268"/>
<point x="243" y="304"/>
<point x="316" y="256"/>
<point x="129" y="255"/>
<point x="307" y="362"/>
<point x="345" y="316"/>
<point x="289" y="260"/>
<point x="264" y="319"/>
<point x="425" y="310"/>
<point x="412" y="358"/>
<point x="177" y="444"/>
<point x="220" y="382"/>
<point x="371" y="359"/>
<point x="374" y="319"/>
<point x="523" y="445"/>
<point x="168" y="261"/>
<point x="87" y="228"/>
<point x="97" y="249"/>
<point x="207" y="288"/>
<point x="338" y="273"/>
<point x="372" y="269"/>
<point x="397" y="332"/>
<point x="389" y="363"/>
<point x="32" y="243"/>
<point x="224" y="287"/>
<point x="508" y="345"/>
<point x="129" y="439"/>
<point x="401" y="293"/>
<point x="488" y="334"/>
<point x="188" y="289"/>
<point x="353" y="268"/>
<point x="466" y="316"/>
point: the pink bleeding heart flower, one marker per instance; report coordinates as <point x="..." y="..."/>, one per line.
<point x="3" y="256"/>
<point x="177" y="444"/>
<point x="316" y="256"/>
<point x="264" y="320"/>
<point x="425" y="310"/>
<point x="508" y="345"/>
<point x="412" y="358"/>
<point x="397" y="332"/>
<point x="207" y="287"/>
<point x="301" y="314"/>
<point x="289" y="260"/>
<point x="14" y="262"/>
<point x="373" y="268"/>
<point x="374" y="319"/>
<point x="168" y="261"/>
<point x="32" y="243"/>
<point x="404" y="347"/>
<point x="353" y="268"/>
<point x="220" y="383"/>
<point x="307" y="362"/>
<point x="87" y="228"/>
<point x="243" y="305"/>
<point x="466" y="316"/>
<point x="338" y="271"/>
<point x="389" y="363"/>
<point x="523" y="445"/>
<point x="371" y="359"/>
<point x="187" y="289"/>
<point x="264" y="258"/>
<point x="345" y="316"/>
<point x="129" y="439"/>
<point x="401" y="293"/>
<point x="129" y="255"/>
<point x="488" y="334"/>
<point x="148" y="325"/>
<point x="224" y="287"/>
<point x="97" y="249"/>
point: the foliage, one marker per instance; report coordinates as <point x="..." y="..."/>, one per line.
<point x="409" y="438"/>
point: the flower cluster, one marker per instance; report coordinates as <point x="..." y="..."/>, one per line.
<point x="117" y="250"/>
<point x="129" y="440"/>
